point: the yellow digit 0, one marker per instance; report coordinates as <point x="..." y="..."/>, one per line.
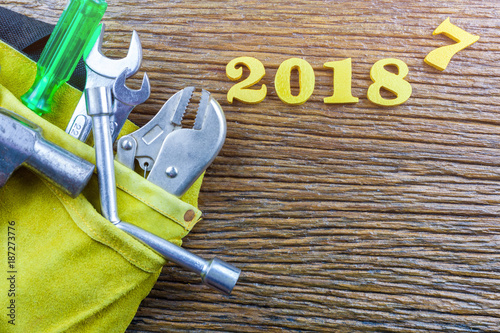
<point x="306" y="81"/>
<point x="342" y="76"/>
<point x="240" y="91"/>
<point x="440" y="57"/>
<point x="394" y="83"/>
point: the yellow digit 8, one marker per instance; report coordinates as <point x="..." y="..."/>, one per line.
<point x="306" y="81"/>
<point x="439" y="58"/>
<point x="394" y="83"/>
<point x="240" y="90"/>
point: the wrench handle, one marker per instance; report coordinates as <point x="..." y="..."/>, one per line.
<point x="98" y="101"/>
<point x="215" y="273"/>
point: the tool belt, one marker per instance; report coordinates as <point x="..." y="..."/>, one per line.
<point x="66" y="268"/>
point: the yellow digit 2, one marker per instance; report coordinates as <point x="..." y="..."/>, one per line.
<point x="439" y="58"/>
<point x="394" y="83"/>
<point x="306" y="81"/>
<point x="240" y="91"/>
<point x="342" y="75"/>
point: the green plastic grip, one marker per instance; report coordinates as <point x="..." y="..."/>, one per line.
<point x="74" y="30"/>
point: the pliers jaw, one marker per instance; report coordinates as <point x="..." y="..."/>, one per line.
<point x="175" y="157"/>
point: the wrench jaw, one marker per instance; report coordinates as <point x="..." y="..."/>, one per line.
<point x="102" y="72"/>
<point x="111" y="68"/>
<point x="129" y="96"/>
<point x="177" y="108"/>
<point x="125" y="99"/>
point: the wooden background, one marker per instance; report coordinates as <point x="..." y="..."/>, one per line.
<point x="344" y="218"/>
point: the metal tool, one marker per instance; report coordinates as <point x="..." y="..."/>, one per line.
<point x="63" y="51"/>
<point x="21" y="141"/>
<point x="174" y="156"/>
<point x="214" y="273"/>
<point x="125" y="101"/>
<point x="102" y="72"/>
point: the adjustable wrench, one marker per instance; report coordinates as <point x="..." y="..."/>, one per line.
<point x="102" y="72"/>
<point x="176" y="156"/>
<point x="214" y="273"/>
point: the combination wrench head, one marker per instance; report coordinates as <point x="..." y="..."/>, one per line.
<point x="111" y="68"/>
<point x="129" y="96"/>
<point x="102" y="72"/>
<point x="125" y="99"/>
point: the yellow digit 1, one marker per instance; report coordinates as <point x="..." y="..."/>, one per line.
<point x="306" y="81"/>
<point x="439" y="58"/>
<point x="240" y="91"/>
<point x="342" y="75"/>
<point x="394" y="83"/>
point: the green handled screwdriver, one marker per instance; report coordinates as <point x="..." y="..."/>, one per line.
<point x="64" y="49"/>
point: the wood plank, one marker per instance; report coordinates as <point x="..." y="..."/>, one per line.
<point x="343" y="217"/>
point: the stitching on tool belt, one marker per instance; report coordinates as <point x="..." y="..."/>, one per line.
<point x="186" y="226"/>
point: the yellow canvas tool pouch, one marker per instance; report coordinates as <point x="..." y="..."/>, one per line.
<point x="64" y="268"/>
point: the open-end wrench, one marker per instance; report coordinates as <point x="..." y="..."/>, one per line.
<point x="125" y="100"/>
<point x="215" y="273"/>
<point x="102" y="72"/>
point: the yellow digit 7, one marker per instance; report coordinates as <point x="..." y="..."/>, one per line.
<point x="240" y="91"/>
<point x="439" y="58"/>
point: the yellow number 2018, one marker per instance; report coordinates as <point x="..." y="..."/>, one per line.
<point x="382" y="79"/>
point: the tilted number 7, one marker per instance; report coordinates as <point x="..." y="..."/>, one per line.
<point x="439" y="58"/>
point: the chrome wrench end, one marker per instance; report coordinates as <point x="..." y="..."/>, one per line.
<point x="125" y="100"/>
<point x="102" y="72"/>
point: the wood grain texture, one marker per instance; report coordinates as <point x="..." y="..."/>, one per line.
<point x="344" y="218"/>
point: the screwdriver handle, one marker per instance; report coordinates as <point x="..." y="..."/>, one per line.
<point x="64" y="49"/>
